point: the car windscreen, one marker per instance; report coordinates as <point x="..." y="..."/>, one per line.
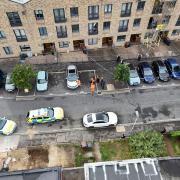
<point x="2" y="123"/>
<point x="176" y="68"/>
<point x="89" y="118"/>
<point x="72" y="77"/>
<point x="50" y="112"/>
<point x="147" y="72"/>
<point x="102" y="116"/>
<point x="162" y="70"/>
<point x="133" y="74"/>
<point x="41" y="81"/>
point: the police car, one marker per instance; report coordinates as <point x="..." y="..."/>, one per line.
<point x="45" y="115"/>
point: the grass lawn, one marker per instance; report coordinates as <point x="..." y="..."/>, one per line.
<point x="115" y="150"/>
<point x="175" y="141"/>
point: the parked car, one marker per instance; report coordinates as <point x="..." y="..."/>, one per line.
<point x="42" y="81"/>
<point x="100" y="119"/>
<point x="133" y="75"/>
<point x="145" y="72"/>
<point x="2" y="78"/>
<point x="9" y="86"/>
<point x="45" y="115"/>
<point x="7" y="127"/>
<point x="160" y="70"/>
<point x="173" y="68"/>
<point x="72" y="77"/>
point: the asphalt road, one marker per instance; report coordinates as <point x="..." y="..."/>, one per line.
<point x="152" y="104"/>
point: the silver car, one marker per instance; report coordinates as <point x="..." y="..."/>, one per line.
<point x="42" y="81"/>
<point x="72" y="77"/>
<point x="9" y="86"/>
<point x="133" y="75"/>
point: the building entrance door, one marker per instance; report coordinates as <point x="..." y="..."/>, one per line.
<point x="135" y="38"/>
<point x="78" y="44"/>
<point x="107" y="41"/>
<point x="49" y="48"/>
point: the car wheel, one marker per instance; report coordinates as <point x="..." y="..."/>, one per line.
<point x="111" y="125"/>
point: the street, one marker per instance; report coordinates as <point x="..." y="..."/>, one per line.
<point x="152" y="104"/>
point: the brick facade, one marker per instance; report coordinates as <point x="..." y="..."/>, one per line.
<point x="35" y="41"/>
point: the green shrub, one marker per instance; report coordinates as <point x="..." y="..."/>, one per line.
<point x="147" y="144"/>
<point x="175" y="133"/>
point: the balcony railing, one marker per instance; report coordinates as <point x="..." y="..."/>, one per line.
<point x="62" y="34"/>
<point x="93" y="31"/>
<point x="125" y="13"/>
<point x="123" y="29"/>
<point x="60" y="19"/>
<point x="93" y="16"/>
<point x="15" y="22"/>
<point x="21" y="39"/>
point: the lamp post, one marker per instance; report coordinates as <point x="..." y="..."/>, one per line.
<point x="137" y="117"/>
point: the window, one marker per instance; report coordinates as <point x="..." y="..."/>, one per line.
<point x="158" y="7"/>
<point x="25" y="48"/>
<point x="75" y="28"/>
<point x="137" y="22"/>
<point x="166" y="19"/>
<point x="123" y="25"/>
<point x="106" y="25"/>
<point x="43" y="31"/>
<point x="39" y="14"/>
<point x="61" y="31"/>
<point x="93" y="28"/>
<point x="140" y="5"/>
<point x="107" y="8"/>
<point x="2" y="35"/>
<point x="175" y="32"/>
<point x="20" y="35"/>
<point x="74" y="11"/>
<point x="59" y="15"/>
<point x="14" y="19"/>
<point x="63" y="44"/>
<point x="121" y="38"/>
<point x="92" y="41"/>
<point x="178" y="22"/>
<point x="8" y="50"/>
<point x="126" y="9"/>
<point x="93" y="12"/>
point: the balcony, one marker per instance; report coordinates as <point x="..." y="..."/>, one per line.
<point x="93" y="31"/>
<point x="60" y="19"/>
<point x="62" y="35"/>
<point x="21" y="39"/>
<point x="93" y="16"/>
<point x="125" y="13"/>
<point x="123" y="29"/>
<point x="15" y="23"/>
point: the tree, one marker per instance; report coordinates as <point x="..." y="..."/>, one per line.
<point x="22" y="76"/>
<point x="147" y="144"/>
<point x="121" y="72"/>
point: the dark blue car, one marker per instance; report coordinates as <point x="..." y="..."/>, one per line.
<point x="173" y="68"/>
<point x="145" y="72"/>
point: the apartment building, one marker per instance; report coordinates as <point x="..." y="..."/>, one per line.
<point x="35" y="26"/>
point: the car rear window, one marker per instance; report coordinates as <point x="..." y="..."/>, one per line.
<point x="72" y="71"/>
<point x="89" y="118"/>
<point x="2" y="123"/>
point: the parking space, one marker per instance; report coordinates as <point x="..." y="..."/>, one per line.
<point x="57" y="83"/>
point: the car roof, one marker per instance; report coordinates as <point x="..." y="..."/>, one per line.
<point x="172" y="61"/>
<point x="145" y="64"/>
<point x="41" y="74"/>
<point x="38" y="113"/>
<point x="71" y="67"/>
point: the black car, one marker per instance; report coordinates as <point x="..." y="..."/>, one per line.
<point x="160" y="70"/>
<point x="145" y="72"/>
<point x="2" y="78"/>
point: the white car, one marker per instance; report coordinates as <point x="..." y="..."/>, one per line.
<point x="42" y="81"/>
<point x="7" y="127"/>
<point x="72" y="77"/>
<point x="100" y="119"/>
<point x="134" y="79"/>
<point x="9" y="86"/>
